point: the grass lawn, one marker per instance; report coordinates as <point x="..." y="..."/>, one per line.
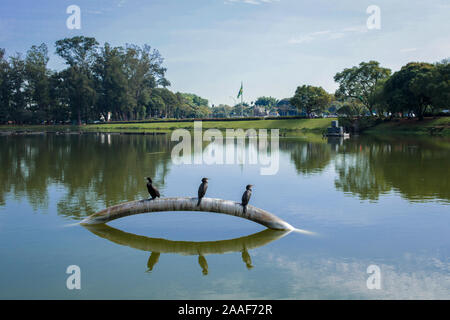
<point x="302" y="125"/>
<point x="439" y="126"/>
<point x="312" y="125"/>
<point x="433" y="126"/>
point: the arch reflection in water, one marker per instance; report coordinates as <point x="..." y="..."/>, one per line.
<point x="202" y="248"/>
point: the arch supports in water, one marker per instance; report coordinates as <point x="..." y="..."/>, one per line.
<point x="188" y="204"/>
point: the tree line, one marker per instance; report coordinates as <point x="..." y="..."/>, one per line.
<point x="125" y="83"/>
<point x="99" y="82"/>
<point x="369" y="89"/>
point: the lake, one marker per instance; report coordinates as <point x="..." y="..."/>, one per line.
<point x="370" y="201"/>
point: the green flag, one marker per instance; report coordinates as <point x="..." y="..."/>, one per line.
<point x="240" y="91"/>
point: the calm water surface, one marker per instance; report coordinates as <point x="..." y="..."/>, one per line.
<point x="370" y="201"/>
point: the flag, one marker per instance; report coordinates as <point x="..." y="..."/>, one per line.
<point x="240" y="91"/>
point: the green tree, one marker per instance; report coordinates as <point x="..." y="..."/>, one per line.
<point x="191" y="106"/>
<point x="221" y="111"/>
<point x="267" y="102"/>
<point x="359" y="82"/>
<point x="59" y="97"/>
<point x="144" y="71"/>
<point x="18" y="110"/>
<point x="410" y="89"/>
<point x="170" y="102"/>
<point x="310" y="99"/>
<point x="378" y="98"/>
<point x="5" y="90"/>
<point x="38" y="83"/>
<point x="351" y="107"/>
<point x="79" y="53"/>
<point x="156" y="106"/>
<point x="440" y="85"/>
<point x="112" y="83"/>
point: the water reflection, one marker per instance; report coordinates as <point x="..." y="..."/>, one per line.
<point x="309" y="157"/>
<point x="157" y="245"/>
<point x="100" y="170"/>
<point x="417" y="168"/>
<point x="91" y="168"/>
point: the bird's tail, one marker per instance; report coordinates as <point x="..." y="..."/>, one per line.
<point x="245" y="209"/>
<point x="199" y="200"/>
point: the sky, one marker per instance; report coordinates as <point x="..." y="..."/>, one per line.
<point x="272" y="46"/>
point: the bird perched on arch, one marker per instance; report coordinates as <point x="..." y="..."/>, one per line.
<point x="246" y="196"/>
<point x="202" y="190"/>
<point x="154" y="193"/>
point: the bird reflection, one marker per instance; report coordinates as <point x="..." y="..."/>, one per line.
<point x="157" y="245"/>
<point x="203" y="264"/>
<point x="152" y="260"/>
<point x="247" y="259"/>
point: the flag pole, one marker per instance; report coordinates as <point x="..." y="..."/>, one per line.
<point x="242" y="99"/>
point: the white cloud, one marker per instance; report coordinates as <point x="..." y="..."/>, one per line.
<point x="411" y="277"/>
<point x="327" y="34"/>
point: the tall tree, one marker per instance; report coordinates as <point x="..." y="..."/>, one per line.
<point x="79" y="53"/>
<point x="144" y="71"/>
<point x="59" y="97"/>
<point x="359" y="82"/>
<point x="310" y="99"/>
<point x="111" y="80"/>
<point x="409" y="89"/>
<point x="38" y="82"/>
<point x="440" y="86"/>
<point x="18" y="110"/>
<point x="5" y="91"/>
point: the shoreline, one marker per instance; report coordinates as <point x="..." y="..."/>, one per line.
<point x="438" y="126"/>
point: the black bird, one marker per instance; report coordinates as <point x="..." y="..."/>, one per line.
<point x="154" y="193"/>
<point x="202" y="190"/>
<point x="246" y="196"/>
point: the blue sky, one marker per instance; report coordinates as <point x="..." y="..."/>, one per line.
<point x="273" y="46"/>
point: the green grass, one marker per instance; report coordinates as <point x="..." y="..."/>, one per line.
<point x="428" y="126"/>
<point x="286" y="126"/>
<point x="313" y="125"/>
<point x="292" y="127"/>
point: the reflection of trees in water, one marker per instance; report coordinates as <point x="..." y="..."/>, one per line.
<point x="109" y="168"/>
<point x="98" y="170"/>
<point x="24" y="168"/>
<point x="308" y="157"/>
<point x="357" y="175"/>
<point x="417" y="168"/>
